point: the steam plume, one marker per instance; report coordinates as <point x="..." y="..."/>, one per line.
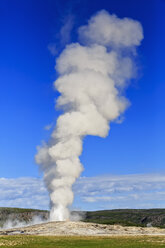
<point x="92" y="76"/>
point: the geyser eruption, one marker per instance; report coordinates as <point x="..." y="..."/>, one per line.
<point x="92" y="76"/>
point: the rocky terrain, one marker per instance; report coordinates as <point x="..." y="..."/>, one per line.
<point x="69" y="228"/>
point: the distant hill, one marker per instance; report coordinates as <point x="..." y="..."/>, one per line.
<point x="21" y="214"/>
<point x="129" y="217"/>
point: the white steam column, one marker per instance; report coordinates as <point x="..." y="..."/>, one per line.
<point x="92" y="76"/>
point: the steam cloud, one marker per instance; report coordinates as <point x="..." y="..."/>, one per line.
<point x="92" y="76"/>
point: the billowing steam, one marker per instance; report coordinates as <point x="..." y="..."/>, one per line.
<point x="92" y="76"/>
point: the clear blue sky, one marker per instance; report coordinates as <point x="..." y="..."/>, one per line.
<point x="27" y="96"/>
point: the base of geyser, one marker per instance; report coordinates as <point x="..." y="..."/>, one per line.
<point x="59" y="214"/>
<point x="63" y="214"/>
<point x="70" y="228"/>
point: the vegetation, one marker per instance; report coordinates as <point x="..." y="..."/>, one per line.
<point x="128" y="217"/>
<point x="81" y="242"/>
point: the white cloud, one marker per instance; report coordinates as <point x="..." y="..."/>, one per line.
<point x="101" y="192"/>
<point x="23" y="192"/>
<point x="124" y="191"/>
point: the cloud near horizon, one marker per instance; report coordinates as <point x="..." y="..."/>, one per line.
<point x="91" y="193"/>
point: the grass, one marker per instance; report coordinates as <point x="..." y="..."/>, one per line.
<point x="81" y="242"/>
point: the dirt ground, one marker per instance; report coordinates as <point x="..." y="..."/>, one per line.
<point x="69" y="228"/>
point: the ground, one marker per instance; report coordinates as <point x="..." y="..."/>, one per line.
<point x="70" y="228"/>
<point x="68" y="234"/>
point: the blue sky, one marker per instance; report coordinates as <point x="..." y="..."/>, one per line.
<point x="29" y="29"/>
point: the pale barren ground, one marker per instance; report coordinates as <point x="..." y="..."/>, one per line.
<point x="68" y="228"/>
